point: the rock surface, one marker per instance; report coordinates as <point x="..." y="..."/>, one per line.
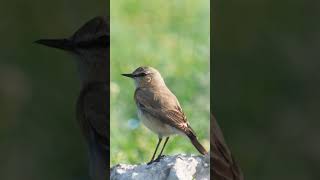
<point x="178" y="167"/>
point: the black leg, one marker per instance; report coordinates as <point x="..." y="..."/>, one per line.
<point x="159" y="141"/>
<point x="165" y="142"/>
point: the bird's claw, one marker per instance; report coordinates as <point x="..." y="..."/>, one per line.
<point x="159" y="158"/>
<point x="156" y="160"/>
<point x="150" y="162"/>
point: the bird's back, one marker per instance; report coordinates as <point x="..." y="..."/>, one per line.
<point x="161" y="98"/>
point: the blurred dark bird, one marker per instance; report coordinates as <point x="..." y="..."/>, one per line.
<point x="223" y="165"/>
<point x="90" y="45"/>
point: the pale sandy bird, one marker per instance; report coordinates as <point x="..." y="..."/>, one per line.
<point x="159" y="109"/>
<point x="90" y="45"/>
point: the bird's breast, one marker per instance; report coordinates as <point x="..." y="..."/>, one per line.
<point x="156" y="125"/>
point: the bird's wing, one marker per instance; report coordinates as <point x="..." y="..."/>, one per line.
<point x="164" y="107"/>
<point x="92" y="110"/>
<point x="224" y="166"/>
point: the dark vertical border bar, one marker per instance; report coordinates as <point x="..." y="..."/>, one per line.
<point x="90" y="45"/>
<point x="222" y="163"/>
<point x="266" y="87"/>
<point x="108" y="97"/>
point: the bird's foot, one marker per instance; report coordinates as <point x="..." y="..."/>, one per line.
<point x="150" y="162"/>
<point x="162" y="156"/>
<point x="156" y="160"/>
<point x="159" y="158"/>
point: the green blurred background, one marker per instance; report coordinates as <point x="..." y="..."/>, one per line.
<point x="173" y="37"/>
<point x="39" y="136"/>
<point x="265" y="80"/>
<point x="266" y="84"/>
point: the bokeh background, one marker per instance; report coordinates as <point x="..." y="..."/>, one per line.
<point x="266" y="84"/>
<point x="39" y="136"/>
<point x="173" y="37"/>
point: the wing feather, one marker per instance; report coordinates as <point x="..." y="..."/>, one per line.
<point x="166" y="108"/>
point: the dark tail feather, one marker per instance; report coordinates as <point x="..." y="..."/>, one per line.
<point x="197" y="144"/>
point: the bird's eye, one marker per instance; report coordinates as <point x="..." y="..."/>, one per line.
<point x="141" y="74"/>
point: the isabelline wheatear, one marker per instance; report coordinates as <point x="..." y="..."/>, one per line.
<point x="159" y="109"/>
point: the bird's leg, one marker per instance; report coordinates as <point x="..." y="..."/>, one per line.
<point x="159" y="141"/>
<point x="160" y="155"/>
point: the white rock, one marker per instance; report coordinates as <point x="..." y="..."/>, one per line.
<point x="178" y="167"/>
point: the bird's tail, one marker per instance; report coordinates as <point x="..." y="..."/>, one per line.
<point x="196" y="143"/>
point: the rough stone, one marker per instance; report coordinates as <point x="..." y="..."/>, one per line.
<point x="178" y="167"/>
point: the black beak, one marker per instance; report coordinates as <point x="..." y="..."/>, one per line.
<point x="64" y="44"/>
<point x="128" y="75"/>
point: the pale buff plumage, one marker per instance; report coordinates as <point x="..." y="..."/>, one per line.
<point x="159" y="109"/>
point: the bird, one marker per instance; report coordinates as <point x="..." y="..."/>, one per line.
<point x="159" y="109"/>
<point x="224" y="166"/>
<point x="90" y="45"/>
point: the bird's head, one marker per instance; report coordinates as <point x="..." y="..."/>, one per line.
<point x="146" y="76"/>
<point x="90" y="44"/>
<point x="90" y="41"/>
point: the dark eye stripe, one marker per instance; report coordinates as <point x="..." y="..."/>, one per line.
<point x="140" y="74"/>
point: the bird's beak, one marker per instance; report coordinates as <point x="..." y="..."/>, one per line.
<point x="64" y="44"/>
<point x="128" y="75"/>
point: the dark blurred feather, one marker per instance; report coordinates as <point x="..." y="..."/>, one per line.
<point x="92" y="114"/>
<point x="223" y="166"/>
